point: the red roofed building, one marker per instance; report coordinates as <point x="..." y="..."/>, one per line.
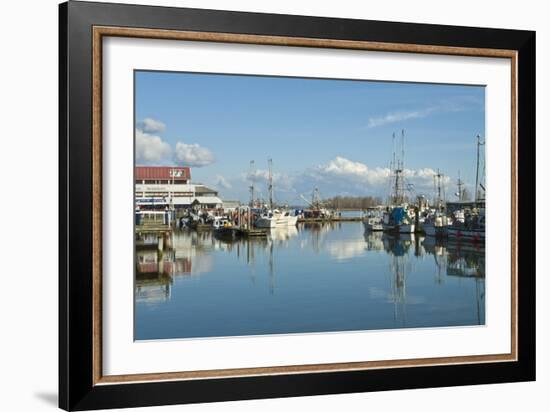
<point x="162" y="175"/>
<point x="169" y="187"/>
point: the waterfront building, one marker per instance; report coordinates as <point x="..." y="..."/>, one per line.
<point x="161" y="187"/>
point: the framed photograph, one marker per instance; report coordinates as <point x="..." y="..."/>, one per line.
<point x="256" y="205"/>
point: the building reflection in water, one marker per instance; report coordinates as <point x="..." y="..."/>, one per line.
<point x="160" y="258"/>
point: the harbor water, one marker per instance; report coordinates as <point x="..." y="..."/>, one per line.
<point x="322" y="277"/>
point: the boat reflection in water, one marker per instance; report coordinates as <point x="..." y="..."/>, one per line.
<point x="450" y="259"/>
<point x="322" y="277"/>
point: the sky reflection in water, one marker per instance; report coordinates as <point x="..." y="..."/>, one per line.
<point x="313" y="278"/>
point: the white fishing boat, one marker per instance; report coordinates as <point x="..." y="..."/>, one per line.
<point x="436" y="225"/>
<point x="373" y="221"/>
<point x="276" y="218"/>
<point x="373" y="224"/>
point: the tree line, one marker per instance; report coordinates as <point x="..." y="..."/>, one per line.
<point x="352" y="202"/>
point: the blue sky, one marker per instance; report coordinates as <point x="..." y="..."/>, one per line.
<point x="334" y="134"/>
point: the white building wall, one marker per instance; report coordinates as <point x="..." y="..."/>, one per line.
<point x="181" y="194"/>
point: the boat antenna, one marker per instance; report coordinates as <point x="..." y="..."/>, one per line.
<point x="402" y="167"/>
<point x="393" y="165"/>
<point x="437" y="188"/>
<point x="479" y="143"/>
<point x="402" y="149"/>
<point x="316" y="198"/>
<point x="252" y="177"/>
<point x="270" y="182"/>
<point x="459" y="184"/>
<point x="439" y="197"/>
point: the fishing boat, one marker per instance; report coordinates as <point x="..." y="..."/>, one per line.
<point x="469" y="224"/>
<point x="373" y="221"/>
<point x="436" y="225"/>
<point x="220" y="222"/>
<point x="373" y="224"/>
<point x="398" y="220"/>
<point x="472" y="228"/>
<point x="276" y="218"/>
<point x="272" y="217"/>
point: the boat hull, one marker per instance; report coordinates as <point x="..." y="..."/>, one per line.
<point x="276" y="221"/>
<point x="373" y="227"/>
<point x="226" y="232"/>
<point x="265" y="223"/>
<point x="477" y="235"/>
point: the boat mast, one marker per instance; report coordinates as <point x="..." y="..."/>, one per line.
<point x="252" y="177"/>
<point x="399" y="186"/>
<point x="479" y="143"/>
<point x="316" y="199"/>
<point x="270" y="183"/>
<point x="437" y="183"/>
<point x="459" y="183"/>
<point x="393" y="199"/>
<point x="402" y="168"/>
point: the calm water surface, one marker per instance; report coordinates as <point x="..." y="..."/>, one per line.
<point x="310" y="278"/>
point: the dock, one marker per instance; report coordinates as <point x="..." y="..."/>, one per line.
<point x="152" y="222"/>
<point x="252" y="232"/>
<point x="237" y="232"/>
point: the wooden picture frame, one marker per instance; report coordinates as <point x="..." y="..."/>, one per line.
<point x="82" y="27"/>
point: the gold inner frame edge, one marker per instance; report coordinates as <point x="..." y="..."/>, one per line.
<point x="102" y="31"/>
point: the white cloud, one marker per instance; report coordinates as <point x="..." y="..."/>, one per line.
<point x="149" y="125"/>
<point x="193" y="155"/>
<point x="458" y="104"/>
<point x="151" y="148"/>
<point x="338" y="177"/>
<point x="344" y="250"/>
<point x="222" y="182"/>
<point x="347" y="177"/>
<point x="357" y="171"/>
<point x="260" y="177"/>
<point x="395" y="117"/>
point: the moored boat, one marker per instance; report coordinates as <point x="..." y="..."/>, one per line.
<point x="398" y="220"/>
<point x="276" y="218"/>
<point x="220" y="222"/>
<point x="436" y="225"/>
<point x="471" y="228"/>
<point x="373" y="224"/>
<point x="373" y="221"/>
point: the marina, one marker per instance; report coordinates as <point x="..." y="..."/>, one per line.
<point x="367" y="216"/>
<point x="170" y="197"/>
